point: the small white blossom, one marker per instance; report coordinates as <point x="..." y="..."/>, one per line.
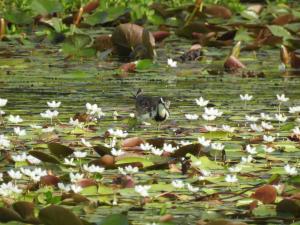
<point x="183" y="143"/>
<point x="212" y="112"/>
<point x="247" y="159"/>
<point x="290" y="170"/>
<point x="157" y="151"/>
<point x="251" y="118"/>
<point x="251" y="150"/>
<point x="34" y="126"/>
<point x="76" y="188"/>
<point x="75" y="123"/>
<point x="3" y="102"/>
<point x="79" y="154"/>
<point x="64" y="187"/>
<point x="69" y="162"/>
<point x="128" y="170"/>
<point x="192" y="188"/>
<point x="228" y="128"/>
<point x="282" y="98"/>
<point x="268" y="149"/>
<point x="280" y="117"/>
<point x="20" y="132"/>
<point x="94" y="110"/>
<point x="112" y="143"/>
<point x="217" y="146"/>
<point x="266" y="126"/>
<point x="191" y="116"/>
<point x="32" y="160"/>
<point x="4" y="142"/>
<point x="231" y="178"/>
<point x="256" y="127"/>
<point x="74" y="177"/>
<point x="8" y="189"/>
<point x="178" y="184"/>
<point x="296" y="131"/>
<point x="142" y="190"/>
<point x="146" y="146"/>
<point x="16" y="175"/>
<point x="268" y="138"/>
<point x="295" y="109"/>
<point x="116" y="152"/>
<point x="15" y="119"/>
<point x="235" y="169"/>
<point x="19" y="158"/>
<point x="205" y="173"/>
<point x="53" y="104"/>
<point x="210" y="128"/>
<point x="264" y="116"/>
<point x="204" y="142"/>
<point x="172" y="63"/>
<point x="246" y="97"/>
<point x="169" y="148"/>
<point x="48" y="130"/>
<point x="118" y="133"/>
<point x="201" y="102"/>
<point x="86" y="143"/>
<point x="208" y="117"/>
<point x="93" y="168"/>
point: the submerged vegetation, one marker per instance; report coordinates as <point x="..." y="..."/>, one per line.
<point x="221" y="83"/>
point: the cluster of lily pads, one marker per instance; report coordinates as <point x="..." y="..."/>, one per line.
<point x="83" y="165"/>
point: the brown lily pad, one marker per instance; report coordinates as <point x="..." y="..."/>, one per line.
<point x="266" y="194"/>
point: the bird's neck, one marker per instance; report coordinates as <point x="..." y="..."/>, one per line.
<point x="162" y="113"/>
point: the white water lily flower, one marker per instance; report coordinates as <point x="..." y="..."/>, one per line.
<point x="228" y="128"/>
<point x="208" y="117"/>
<point x="192" y="188"/>
<point x="19" y="158"/>
<point x="264" y="116"/>
<point x="178" y="184"/>
<point x="204" y="142"/>
<point x="268" y="138"/>
<point x="15" y="175"/>
<point x="201" y="102"/>
<point x="49" y="114"/>
<point x="94" y="110"/>
<point x="256" y="127"/>
<point x="268" y="149"/>
<point x="4" y="142"/>
<point x="15" y="119"/>
<point x="79" y="154"/>
<point x="146" y="146"/>
<point x="251" y="118"/>
<point x="246" y="97"/>
<point x="64" y="187"/>
<point x="191" y="116"/>
<point x="2" y="112"/>
<point x="34" y="174"/>
<point x="295" y="109"/>
<point x="235" y="169"/>
<point x="20" y="132"/>
<point x="9" y="189"/>
<point x="251" y="150"/>
<point x="76" y="123"/>
<point x="116" y="152"/>
<point x="48" y="130"/>
<point x="210" y="128"/>
<point x="53" y="104"/>
<point x="205" y="173"/>
<point x="32" y="160"/>
<point x="69" y="162"/>
<point x="93" y="168"/>
<point x="142" y="190"/>
<point x="34" y="126"/>
<point x="280" y="117"/>
<point x="131" y="115"/>
<point x="231" y="178"/>
<point x="86" y="143"/>
<point x="282" y="98"/>
<point x="3" y="102"/>
<point x="76" y="188"/>
<point x="212" y="112"/>
<point x="217" y="146"/>
<point x="247" y="159"/>
<point x="128" y="170"/>
<point x="296" y="131"/>
<point x="172" y="63"/>
<point x="290" y="170"/>
<point x="169" y="148"/>
<point x="118" y="133"/>
<point x="74" y="177"/>
<point x="183" y="143"/>
<point x="267" y="126"/>
<point x="157" y="151"/>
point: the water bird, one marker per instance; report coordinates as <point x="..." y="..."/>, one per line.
<point x="149" y="107"/>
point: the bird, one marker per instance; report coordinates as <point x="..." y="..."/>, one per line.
<point x="150" y="107"/>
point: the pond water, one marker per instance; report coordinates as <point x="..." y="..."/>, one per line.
<point x="34" y="75"/>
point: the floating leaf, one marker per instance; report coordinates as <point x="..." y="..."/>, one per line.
<point x="7" y="215"/>
<point x="134" y="159"/>
<point x="289" y="207"/>
<point x="101" y="150"/>
<point x="233" y="64"/>
<point x="115" y="219"/>
<point x="91" y="6"/>
<point x="217" y="11"/>
<point x="60" y="150"/>
<point x="265" y="211"/>
<point x="266" y="194"/>
<point x="194" y="149"/>
<point x="45" y="7"/>
<point x="279" y="31"/>
<point x="132" y="142"/>
<point x="24" y="209"/>
<point x="58" y="215"/>
<point x="18" y="17"/>
<point x="44" y="157"/>
<point x="49" y="180"/>
<point x="78" y="45"/>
